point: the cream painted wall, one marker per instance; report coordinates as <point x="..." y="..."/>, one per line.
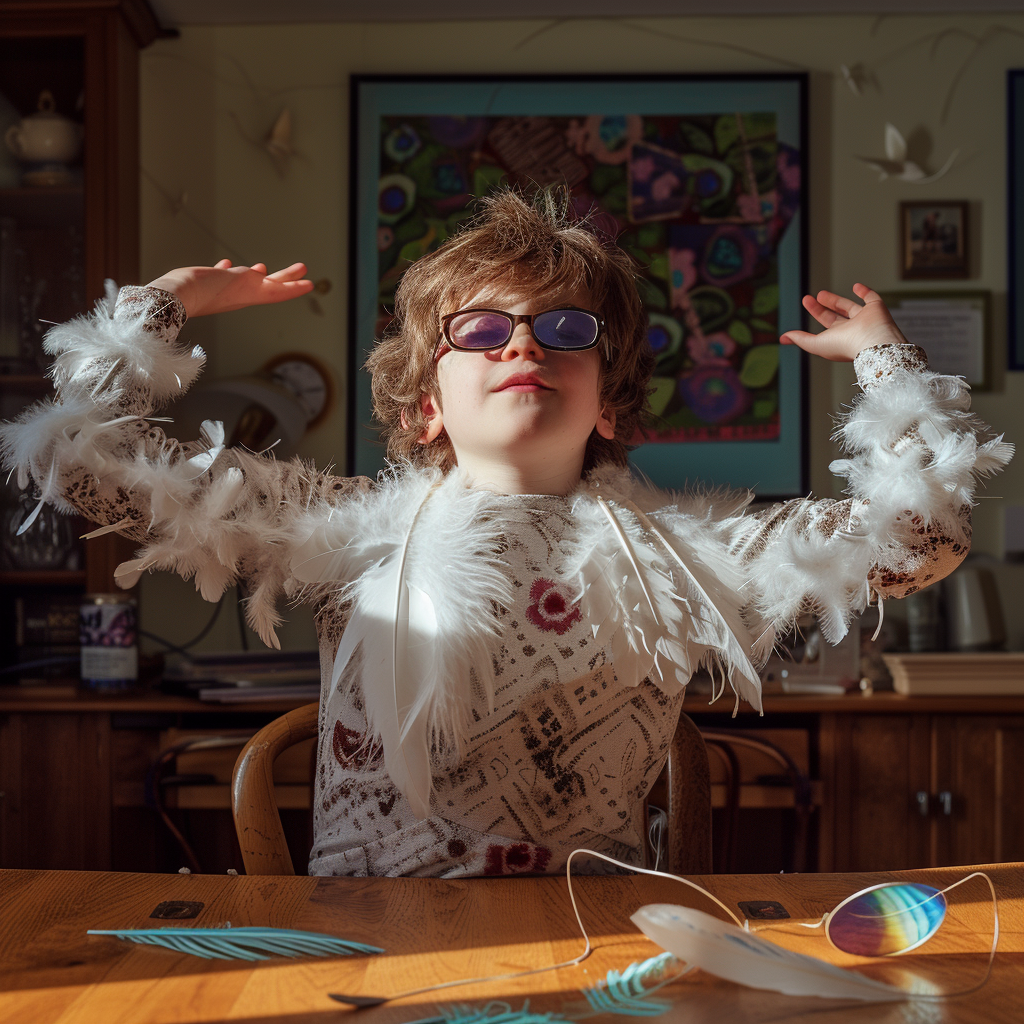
<point x="208" y="96"/>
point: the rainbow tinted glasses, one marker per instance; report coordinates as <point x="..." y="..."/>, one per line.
<point x="890" y="918"/>
<point x="886" y="919"/>
<point x="565" y="329"/>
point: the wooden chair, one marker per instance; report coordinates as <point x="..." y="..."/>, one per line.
<point x="265" y="851"/>
<point x="257" y="821"/>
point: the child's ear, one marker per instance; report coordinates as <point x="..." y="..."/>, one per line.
<point x="431" y="411"/>
<point x="605" y="425"/>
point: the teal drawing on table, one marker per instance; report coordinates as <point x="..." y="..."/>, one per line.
<point x="627" y="993"/>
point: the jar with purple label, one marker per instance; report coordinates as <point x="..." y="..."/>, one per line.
<point x="108" y="633"/>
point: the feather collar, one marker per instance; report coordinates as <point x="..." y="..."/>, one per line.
<point x="417" y="559"/>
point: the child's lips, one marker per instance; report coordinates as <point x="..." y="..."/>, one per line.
<point x="523" y="382"/>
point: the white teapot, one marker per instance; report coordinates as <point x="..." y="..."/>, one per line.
<point x="46" y="136"/>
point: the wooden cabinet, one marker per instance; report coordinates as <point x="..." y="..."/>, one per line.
<point x="55" y="806"/>
<point x="62" y="232"/>
<point x="73" y="773"/>
<point x="923" y="790"/>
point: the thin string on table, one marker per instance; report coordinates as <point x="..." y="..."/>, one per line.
<point x="588" y="949"/>
<point x="823" y="920"/>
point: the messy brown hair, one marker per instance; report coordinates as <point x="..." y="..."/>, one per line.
<point x="527" y="246"/>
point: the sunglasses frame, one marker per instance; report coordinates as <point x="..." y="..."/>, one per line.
<point x="515" y="319"/>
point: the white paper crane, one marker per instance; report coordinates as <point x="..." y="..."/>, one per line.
<point x="896" y="164"/>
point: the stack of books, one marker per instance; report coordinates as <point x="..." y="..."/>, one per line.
<point x="246" y="676"/>
<point x="46" y="629"/>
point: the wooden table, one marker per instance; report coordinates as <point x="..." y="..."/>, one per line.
<point x="436" y="930"/>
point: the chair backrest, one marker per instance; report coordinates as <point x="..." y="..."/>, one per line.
<point x="257" y="821"/>
<point x="265" y="850"/>
<point x="688" y="786"/>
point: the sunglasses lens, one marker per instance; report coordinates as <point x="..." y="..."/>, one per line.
<point x="891" y="919"/>
<point x="566" y="329"/>
<point x="479" y="330"/>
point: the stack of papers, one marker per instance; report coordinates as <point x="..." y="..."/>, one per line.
<point x="946" y="673"/>
<point x="247" y="676"/>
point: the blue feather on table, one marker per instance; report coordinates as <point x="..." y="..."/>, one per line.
<point x="248" y="943"/>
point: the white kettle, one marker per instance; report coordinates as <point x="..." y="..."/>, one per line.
<point x="974" y="614"/>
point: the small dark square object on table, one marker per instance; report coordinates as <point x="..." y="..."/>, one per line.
<point x="763" y="910"/>
<point x="180" y="910"/>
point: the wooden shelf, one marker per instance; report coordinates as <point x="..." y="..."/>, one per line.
<point x="42" y="577"/>
<point x="44" y="207"/>
<point x="26" y="383"/>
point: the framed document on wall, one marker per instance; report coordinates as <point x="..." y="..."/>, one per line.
<point x="1015" y="218"/>
<point x="702" y="179"/>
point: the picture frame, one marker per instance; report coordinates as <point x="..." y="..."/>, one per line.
<point x="954" y="326"/>
<point x="934" y="240"/>
<point x="1015" y="218"/>
<point x="482" y="130"/>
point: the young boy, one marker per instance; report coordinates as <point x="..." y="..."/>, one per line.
<point x="507" y="620"/>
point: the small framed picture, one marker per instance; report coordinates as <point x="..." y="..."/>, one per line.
<point x="933" y="240"/>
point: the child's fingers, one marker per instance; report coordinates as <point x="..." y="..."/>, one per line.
<point x="815" y="344"/>
<point x="281" y="291"/>
<point x="222" y="265"/>
<point x="801" y="338"/>
<point x="866" y="293"/>
<point x="825" y="316"/>
<point x="260" y="268"/>
<point x="839" y="303"/>
<point x="296" y="270"/>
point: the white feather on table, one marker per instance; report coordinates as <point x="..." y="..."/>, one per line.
<point x="729" y="952"/>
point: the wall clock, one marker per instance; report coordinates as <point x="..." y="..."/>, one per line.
<point x="308" y="379"/>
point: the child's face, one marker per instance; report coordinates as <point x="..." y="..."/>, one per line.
<point x="522" y="405"/>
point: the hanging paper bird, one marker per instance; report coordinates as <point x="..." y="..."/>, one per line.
<point x="896" y="164"/>
<point x="855" y="77"/>
<point x="278" y="142"/>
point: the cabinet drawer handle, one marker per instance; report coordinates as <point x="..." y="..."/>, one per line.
<point x="946" y="802"/>
<point x="923" y="803"/>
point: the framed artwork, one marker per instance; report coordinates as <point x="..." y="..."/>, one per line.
<point x="953" y="327"/>
<point x="933" y="240"/>
<point x="702" y="179"/>
<point x="1015" y="218"/>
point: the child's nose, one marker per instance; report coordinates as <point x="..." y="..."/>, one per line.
<point x="522" y="344"/>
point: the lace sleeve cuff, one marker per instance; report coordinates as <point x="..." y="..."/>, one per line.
<point x="125" y="355"/>
<point x="876" y="365"/>
<point x="162" y="311"/>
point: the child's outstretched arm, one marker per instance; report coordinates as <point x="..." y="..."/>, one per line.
<point x="914" y="456"/>
<point x="199" y="509"/>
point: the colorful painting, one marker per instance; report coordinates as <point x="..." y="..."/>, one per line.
<point x="704" y="201"/>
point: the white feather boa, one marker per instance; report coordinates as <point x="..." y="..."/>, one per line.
<point x="99" y="352"/>
<point x="916" y="457"/>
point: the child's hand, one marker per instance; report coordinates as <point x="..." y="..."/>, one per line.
<point x="849" y="326"/>
<point x="221" y="288"/>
